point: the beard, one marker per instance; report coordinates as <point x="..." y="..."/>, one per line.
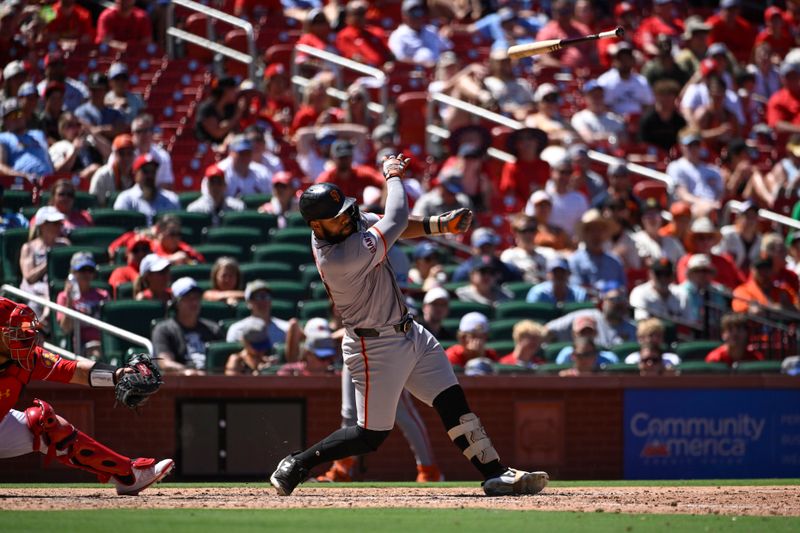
<point x="336" y="238"/>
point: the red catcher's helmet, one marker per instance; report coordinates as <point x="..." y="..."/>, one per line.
<point x="19" y="329"/>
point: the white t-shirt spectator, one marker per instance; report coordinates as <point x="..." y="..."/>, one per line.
<point x="257" y="181"/>
<point x="703" y="181"/>
<point x="626" y="96"/>
<point x="567" y="210"/>
<point x="668" y="247"/>
<point x="733" y="245"/>
<point x="424" y="46"/>
<point x="589" y="124"/>
<point x="696" y="96"/>
<point x="646" y="302"/>
<point x="164" y="175"/>
<point x="132" y="200"/>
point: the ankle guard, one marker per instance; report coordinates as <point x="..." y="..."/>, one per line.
<point x="72" y="447"/>
<point x="479" y="444"/>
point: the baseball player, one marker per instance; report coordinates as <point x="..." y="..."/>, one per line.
<point x="384" y="349"/>
<point x="39" y="428"/>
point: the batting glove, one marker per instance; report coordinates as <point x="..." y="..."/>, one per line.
<point x="394" y="166"/>
<point x="456" y="221"/>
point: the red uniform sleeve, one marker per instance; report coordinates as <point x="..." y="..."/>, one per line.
<point x="48" y="366"/>
<point x="455" y="354"/>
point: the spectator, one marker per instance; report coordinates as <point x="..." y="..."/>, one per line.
<point x="661" y="22"/>
<point x="503" y="27"/>
<point x="741" y="241"/>
<point x="681" y="222"/>
<point x="447" y="195"/>
<point x="651" y="357"/>
<point x="730" y="28"/>
<point x="356" y="107"/>
<point x="23" y="152"/>
<point x="548" y="117"/>
<point x="415" y="40"/>
<point x="468" y="148"/>
<point x="772" y="246"/>
<point x="591" y="264"/>
<point x="124" y="25"/>
<point x="650" y="244"/>
<point x="540" y="208"/>
<point x="485" y="242"/>
<point x="760" y="293"/>
<point x="10" y="219"/>
<point x="596" y="124"/>
<point x="512" y="94"/>
<point x="696" y="93"/>
<point x="585" y="327"/>
<point x="699" y="289"/>
<point x="435" y="308"/>
<point x="483" y="285"/>
<point x="351" y="179"/>
<point x="51" y="112"/>
<point x="557" y="290"/>
<point x="621" y="243"/>
<point x="279" y="102"/>
<point x="717" y="124"/>
<point x="120" y="98"/>
<point x="528" y="338"/>
<point x="226" y="280"/>
<point x="793" y="259"/>
<point x="214" y="199"/>
<point x="142" y="134"/>
<point x="284" y="197"/>
<point x="695" y="44"/>
<point x="626" y="15"/>
<point x="317" y="106"/>
<point x="586" y="180"/>
<point x="242" y="174"/>
<point x="318" y="352"/>
<point x="219" y="114"/>
<point x="360" y="41"/>
<point x="528" y="172"/>
<point x="258" y="296"/>
<point x="472" y="336"/>
<point x="116" y="175"/>
<point x="619" y="191"/>
<point x="562" y="25"/>
<point x="703" y="236"/>
<point x="658" y="296"/>
<point x="180" y="342"/>
<point x="776" y="33"/>
<point x="28" y="100"/>
<point x="167" y="242"/>
<point x="136" y="249"/>
<point x="568" y="204"/>
<point x="153" y="282"/>
<point x="15" y="76"/>
<point x="95" y="114"/>
<point x="55" y="70"/>
<point x="427" y="270"/>
<point x="45" y="234"/>
<point x="254" y="356"/>
<point x="660" y="126"/>
<point x="70" y="22"/>
<point x="783" y="181"/>
<point x="767" y="77"/>
<point x="146" y="196"/>
<point x="663" y="66"/>
<point x="524" y="255"/>
<point x="585" y="358"/>
<point x="316" y="34"/>
<point x="735" y="347"/>
<point x="79" y="151"/>
<point x="695" y="182"/>
<point x="264" y="146"/>
<point x="612" y="323"/>
<point x="62" y="197"/>
<point x="78" y="294"/>
<point x="626" y="92"/>
<point x="741" y="175"/>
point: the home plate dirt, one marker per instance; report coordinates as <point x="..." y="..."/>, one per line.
<point x="762" y="501"/>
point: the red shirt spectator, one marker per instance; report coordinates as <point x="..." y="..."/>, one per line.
<point x="776" y="33"/>
<point x="456" y="355"/>
<point x="521" y="178"/>
<point x="783" y="107"/>
<point x="727" y="273"/>
<point x="350" y="178"/>
<point x="562" y="26"/>
<point x="722" y="355"/>
<point x="71" y="22"/>
<point x="306" y="116"/>
<point x="124" y="23"/>
<point x="137" y="247"/>
<point x="359" y="42"/>
<point x="662" y="22"/>
<point x="751" y="292"/>
<point x="193" y="254"/>
<point x="730" y="28"/>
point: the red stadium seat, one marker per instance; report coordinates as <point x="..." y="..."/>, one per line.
<point x="412" y="109"/>
<point x="197" y="24"/>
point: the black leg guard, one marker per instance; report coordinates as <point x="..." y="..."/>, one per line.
<point x="344" y="442"/>
<point x="458" y="419"/>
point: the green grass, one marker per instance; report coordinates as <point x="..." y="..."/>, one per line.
<point x="376" y="520"/>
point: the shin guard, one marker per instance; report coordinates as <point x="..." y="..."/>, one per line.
<point x="479" y="446"/>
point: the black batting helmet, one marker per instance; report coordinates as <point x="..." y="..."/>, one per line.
<point x="326" y="200"/>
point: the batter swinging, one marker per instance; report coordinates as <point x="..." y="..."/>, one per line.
<point x="384" y="349"/>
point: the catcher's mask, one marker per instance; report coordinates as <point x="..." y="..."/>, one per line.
<point x="19" y="329"/>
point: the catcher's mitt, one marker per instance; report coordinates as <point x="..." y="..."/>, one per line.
<point x="133" y="388"/>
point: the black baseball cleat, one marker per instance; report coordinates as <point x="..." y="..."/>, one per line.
<point x="288" y="475"/>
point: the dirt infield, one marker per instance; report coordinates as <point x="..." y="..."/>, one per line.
<point x="736" y="500"/>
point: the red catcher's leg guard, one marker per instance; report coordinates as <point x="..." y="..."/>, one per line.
<point x="72" y="447"/>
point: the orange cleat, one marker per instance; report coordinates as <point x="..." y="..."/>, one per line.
<point x="341" y="471"/>
<point x="428" y="474"/>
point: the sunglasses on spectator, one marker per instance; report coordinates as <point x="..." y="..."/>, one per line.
<point x="74" y="125"/>
<point x="530" y="229"/>
<point x="143" y="130"/>
<point x="69" y="194"/>
<point x="583" y="354"/>
<point x="261" y="297"/>
<point x="552" y="97"/>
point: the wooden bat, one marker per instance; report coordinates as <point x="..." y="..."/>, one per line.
<point x="551" y="45"/>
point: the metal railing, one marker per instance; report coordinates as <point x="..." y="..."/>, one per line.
<point x="79" y="317"/>
<point x="374" y="107"/>
<point x="250" y="58"/>
<point x="342" y="63"/>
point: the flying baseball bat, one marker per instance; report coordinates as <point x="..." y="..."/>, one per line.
<point x="551" y="45"/>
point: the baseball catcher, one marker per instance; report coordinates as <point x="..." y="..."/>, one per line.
<point x="40" y="429"/>
<point x="384" y="349"/>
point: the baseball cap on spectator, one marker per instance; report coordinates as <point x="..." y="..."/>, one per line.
<point x="707" y="66"/>
<point x="319" y="338"/>
<point x="48" y="213"/>
<point x="256" y="286"/>
<point x="728" y="4"/>
<point x="662" y="266"/>
<point x="274" y="69"/>
<point x="26" y="89"/>
<point x="342" y="148"/>
<point x="540" y="196"/>
<point x="122" y="141"/>
<point x="584" y="321"/>
<point x="606" y="287"/>
<point x="623" y="8"/>
<point x="790" y="67"/>
<point x="577" y="150"/>
<point x="98" y="80"/>
<point x="591" y="85"/>
<point x="700" y="262"/>
<point x="651" y="204"/>
<point x="142" y="160"/>
<point x="137" y="239"/>
<point x="411" y="5"/>
<point x="772" y="11"/>
<point x="11" y="105"/>
<point x="14" y="68"/>
<point x="381" y="131"/>
<point x="256" y="334"/>
<point x="283" y="177"/>
<point x="703" y="225"/>
<point x="556" y="262"/>
<point x="56" y="56"/>
<point x="484" y="236"/>
<point x="470" y="151"/>
<point x="747" y="205"/>
<point x="452" y="181"/>
<point x="153" y="263"/>
<point x="479" y="366"/>
<point x="619" y="47"/>
<point x="184" y="286"/>
<point x="482" y="262"/>
<point x="717" y="49"/>
<point x="680" y="209"/>
<point x="213" y="171"/>
<point x="544" y="90"/>
<point x="425" y="250"/>
<point x="505" y="14"/>
<point x="474" y="322"/>
<point x="515" y="136"/>
<point x="436" y="293"/>
<point x="117" y="70"/>
<point x="240" y="143"/>
<point x="81" y="260"/>
<point x="690" y="137"/>
<point x="694" y="24"/>
<point x="52" y="87"/>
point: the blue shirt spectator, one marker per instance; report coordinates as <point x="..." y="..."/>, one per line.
<point x="604" y="357"/>
<point x="591" y="269"/>
<point x="415" y="40"/>
<point x="9" y="219"/>
<point x="145" y="196"/>
<point x="22" y="152"/>
<point x="557" y="289"/>
<point x="493" y="26"/>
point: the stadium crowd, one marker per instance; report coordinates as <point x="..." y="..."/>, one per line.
<point x="180" y="221"/>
